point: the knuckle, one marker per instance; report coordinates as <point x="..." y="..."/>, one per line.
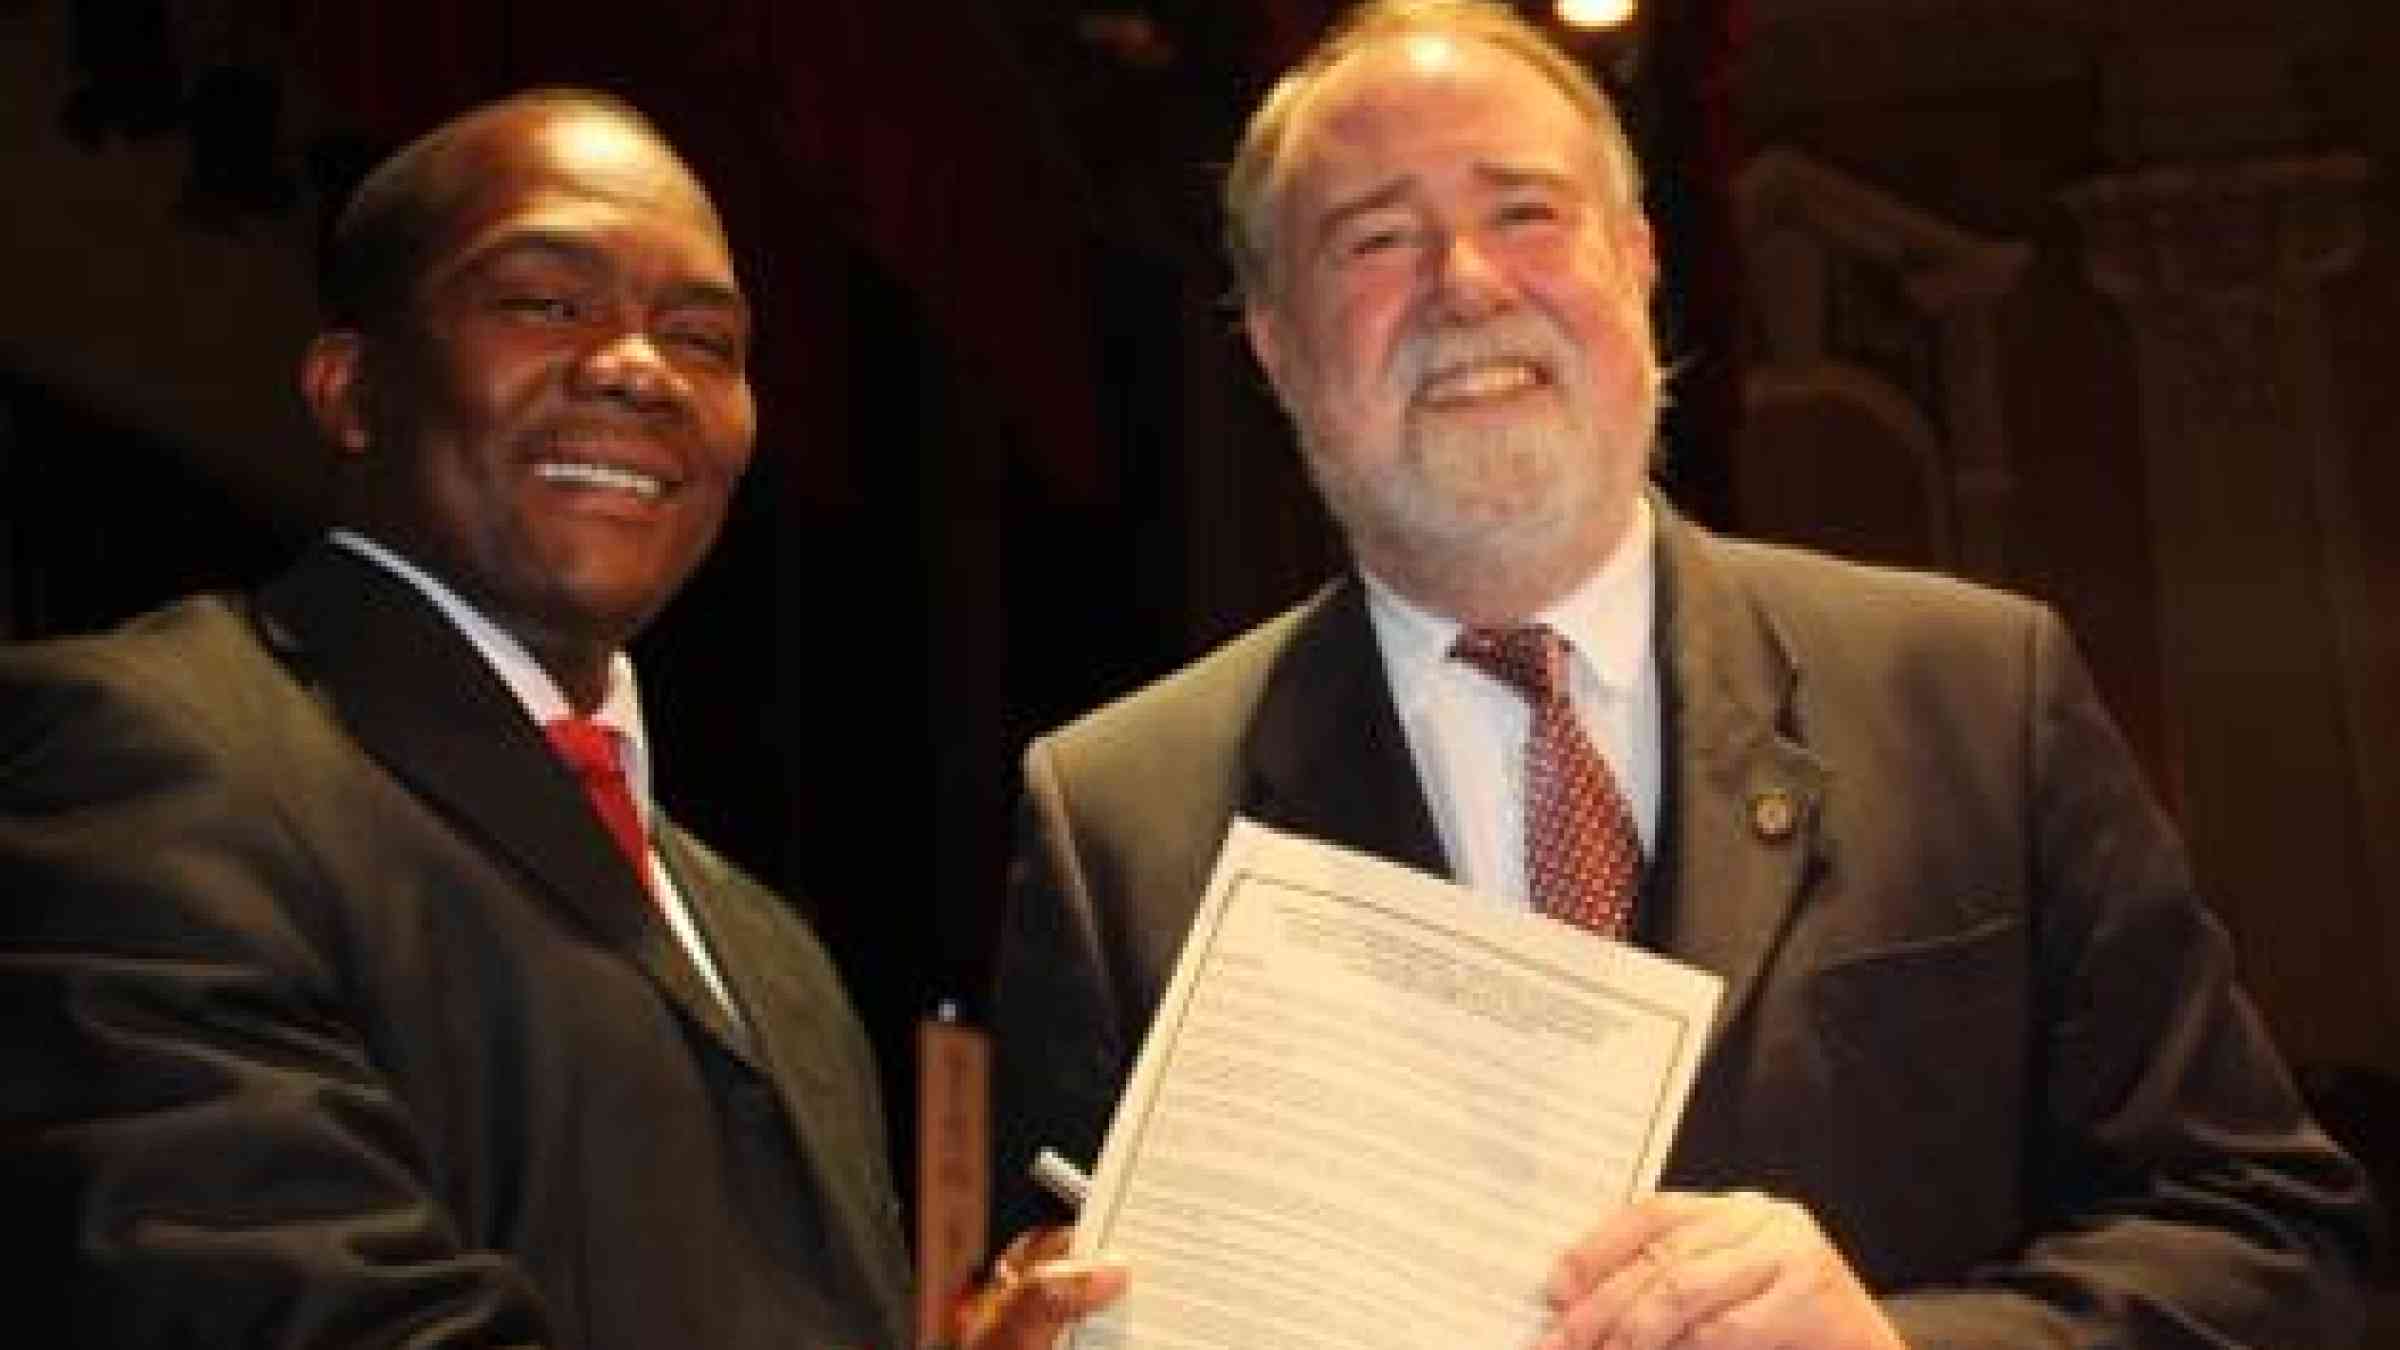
<point x="1580" y="1325"/>
<point x="1740" y="1326"/>
<point x="1651" y="1324"/>
<point x="1674" y="1291"/>
<point x="1664" y="1297"/>
<point x="1052" y="1302"/>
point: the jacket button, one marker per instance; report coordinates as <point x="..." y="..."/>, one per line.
<point x="1773" y="815"/>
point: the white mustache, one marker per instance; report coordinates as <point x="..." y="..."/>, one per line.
<point x="1527" y="338"/>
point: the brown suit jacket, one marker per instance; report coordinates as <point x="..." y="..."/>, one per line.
<point x="336" y="1018"/>
<point x="1975" y="1017"/>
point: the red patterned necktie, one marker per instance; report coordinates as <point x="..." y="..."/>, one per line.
<point x="590" y="749"/>
<point x="1583" y="854"/>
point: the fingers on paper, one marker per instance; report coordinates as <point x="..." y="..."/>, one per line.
<point x="1699" y="1271"/>
<point x="1036" y="1292"/>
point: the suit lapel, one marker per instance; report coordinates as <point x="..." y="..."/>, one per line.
<point x="766" y="992"/>
<point x="418" y="696"/>
<point x="1743" y="794"/>
<point x="1326" y="755"/>
<point x="1328" y="759"/>
<point x="794" y="1009"/>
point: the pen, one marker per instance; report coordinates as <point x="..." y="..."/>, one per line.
<point x="1060" y="1177"/>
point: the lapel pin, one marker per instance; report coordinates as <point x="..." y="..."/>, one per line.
<point x="1773" y="814"/>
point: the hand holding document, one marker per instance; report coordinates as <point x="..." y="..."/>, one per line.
<point x="1372" y="1111"/>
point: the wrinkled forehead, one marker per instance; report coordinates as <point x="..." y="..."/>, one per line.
<point x="565" y="170"/>
<point x="1398" y="102"/>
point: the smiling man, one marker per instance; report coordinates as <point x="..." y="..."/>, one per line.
<point x="552" y="417"/>
<point x="358" y="992"/>
<point x="1981" y="1075"/>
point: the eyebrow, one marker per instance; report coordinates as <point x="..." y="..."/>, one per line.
<point x="1513" y="175"/>
<point x="1395" y="191"/>
<point x="584" y="256"/>
<point x="1390" y="194"/>
<point x="709" y="295"/>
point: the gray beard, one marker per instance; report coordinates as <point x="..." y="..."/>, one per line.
<point x="1465" y="504"/>
<point x="1488" y="509"/>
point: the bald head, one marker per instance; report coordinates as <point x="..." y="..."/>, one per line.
<point x="1256" y="179"/>
<point x="404" y="213"/>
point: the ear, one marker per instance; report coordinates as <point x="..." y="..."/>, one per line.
<point x="333" y="383"/>
<point x="1636" y="252"/>
<point x="1267" y="342"/>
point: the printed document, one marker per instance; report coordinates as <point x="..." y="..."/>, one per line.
<point x="1373" y="1109"/>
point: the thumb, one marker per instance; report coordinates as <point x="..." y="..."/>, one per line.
<point x="1030" y="1312"/>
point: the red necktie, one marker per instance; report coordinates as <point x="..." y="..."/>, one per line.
<point x="590" y="749"/>
<point x="1583" y="854"/>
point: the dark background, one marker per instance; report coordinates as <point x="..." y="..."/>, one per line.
<point x="1011" y="446"/>
<point x="993" y="336"/>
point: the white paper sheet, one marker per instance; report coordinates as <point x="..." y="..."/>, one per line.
<point x="1372" y="1110"/>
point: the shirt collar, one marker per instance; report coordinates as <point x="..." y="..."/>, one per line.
<point x="1607" y="619"/>
<point x="620" y="707"/>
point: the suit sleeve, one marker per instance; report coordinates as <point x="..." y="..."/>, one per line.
<point x="2182" y="1195"/>
<point x="1062" y="1047"/>
<point x="198" y="1147"/>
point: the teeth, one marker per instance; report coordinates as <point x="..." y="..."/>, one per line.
<point x="600" y="476"/>
<point x="1480" y="381"/>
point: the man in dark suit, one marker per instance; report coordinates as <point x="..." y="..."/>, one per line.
<point x="359" y="995"/>
<point x="1980" y="1076"/>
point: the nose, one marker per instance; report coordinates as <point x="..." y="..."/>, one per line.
<point x="628" y="367"/>
<point x="1468" y="282"/>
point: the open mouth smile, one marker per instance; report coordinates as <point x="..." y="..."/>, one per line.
<point x="605" y="477"/>
<point x="1479" y="382"/>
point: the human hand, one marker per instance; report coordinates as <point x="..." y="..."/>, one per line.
<point x="1035" y="1293"/>
<point x="1740" y="1271"/>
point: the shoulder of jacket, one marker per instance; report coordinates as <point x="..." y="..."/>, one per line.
<point x="1801" y="591"/>
<point x="1214" y="691"/>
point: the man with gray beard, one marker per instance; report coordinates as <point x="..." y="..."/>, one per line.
<point x="1981" y="1075"/>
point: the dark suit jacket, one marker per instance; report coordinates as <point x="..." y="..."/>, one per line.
<point x="336" y="1019"/>
<point x="1974" y="1016"/>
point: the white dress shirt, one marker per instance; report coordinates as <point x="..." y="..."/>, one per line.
<point x="620" y="711"/>
<point x="1466" y="728"/>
